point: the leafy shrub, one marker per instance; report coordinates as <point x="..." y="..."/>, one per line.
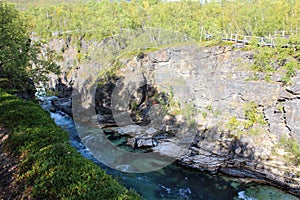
<point x="293" y="148"/>
<point x="290" y="71"/>
<point x="252" y="115"/>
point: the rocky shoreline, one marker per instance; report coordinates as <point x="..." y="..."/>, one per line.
<point x="205" y="155"/>
<point x="214" y="130"/>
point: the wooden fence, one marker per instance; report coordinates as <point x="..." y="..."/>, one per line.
<point x="278" y="38"/>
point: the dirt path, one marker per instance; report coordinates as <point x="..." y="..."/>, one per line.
<point x="8" y="169"/>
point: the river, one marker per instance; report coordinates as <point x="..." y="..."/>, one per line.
<point x="173" y="181"/>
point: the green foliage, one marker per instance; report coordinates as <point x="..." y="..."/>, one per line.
<point x="280" y="107"/>
<point x="285" y="79"/>
<point x="52" y="93"/>
<point x="280" y="60"/>
<point x="291" y="69"/>
<point x="232" y="124"/>
<point x="262" y="61"/>
<point x="21" y="58"/>
<point x="6" y="84"/>
<point x="172" y="106"/>
<point x="97" y="21"/>
<point x="49" y="167"/>
<point x="189" y="111"/>
<point x="252" y="115"/>
<point x="104" y="18"/>
<point x="204" y="114"/>
<point x="268" y="78"/>
<point x="108" y="73"/>
<point x="42" y="63"/>
<point x="13" y="43"/>
<point x="252" y="124"/>
<point x="209" y="108"/>
<point x="293" y="149"/>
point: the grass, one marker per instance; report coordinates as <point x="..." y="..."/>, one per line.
<point x="282" y="61"/>
<point x="292" y="148"/>
<point x="251" y="124"/>
<point x="49" y="168"/>
<point x="252" y="115"/>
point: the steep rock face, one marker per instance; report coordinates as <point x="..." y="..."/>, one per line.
<point x="217" y="82"/>
<point x="228" y="122"/>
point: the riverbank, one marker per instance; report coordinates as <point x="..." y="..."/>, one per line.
<point x="173" y="181"/>
<point x="37" y="161"/>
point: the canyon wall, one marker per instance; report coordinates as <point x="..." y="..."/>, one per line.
<point x="204" y="106"/>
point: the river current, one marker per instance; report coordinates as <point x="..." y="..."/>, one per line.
<point x="173" y="181"/>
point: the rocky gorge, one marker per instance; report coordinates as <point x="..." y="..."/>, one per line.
<point x="202" y="106"/>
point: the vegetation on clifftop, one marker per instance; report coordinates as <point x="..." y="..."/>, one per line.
<point x="101" y="19"/>
<point x="205" y="23"/>
<point x="22" y="60"/>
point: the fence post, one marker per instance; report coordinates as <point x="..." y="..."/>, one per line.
<point x="271" y="41"/>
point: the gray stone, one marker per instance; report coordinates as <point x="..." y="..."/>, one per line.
<point x="238" y="150"/>
<point x="160" y="56"/>
<point x="292" y="109"/>
<point x="238" y="45"/>
<point x="276" y="122"/>
<point x="131" y="142"/>
<point x="63" y="104"/>
<point x="151" y="131"/>
<point x="169" y="148"/>
<point x="145" y="142"/>
<point x="131" y="130"/>
<point x="52" y="109"/>
<point x="295" y="89"/>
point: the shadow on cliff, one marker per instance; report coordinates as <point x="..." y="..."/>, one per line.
<point x="136" y="104"/>
<point x="215" y="150"/>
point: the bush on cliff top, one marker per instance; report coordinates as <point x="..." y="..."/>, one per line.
<point x="49" y="167"/>
<point x="22" y="59"/>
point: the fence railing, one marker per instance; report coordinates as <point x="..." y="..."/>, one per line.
<point x="278" y="38"/>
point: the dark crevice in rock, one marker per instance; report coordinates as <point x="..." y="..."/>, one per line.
<point x="266" y="118"/>
<point x="285" y="120"/>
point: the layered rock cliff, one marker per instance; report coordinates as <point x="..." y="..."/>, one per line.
<point x="202" y="105"/>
